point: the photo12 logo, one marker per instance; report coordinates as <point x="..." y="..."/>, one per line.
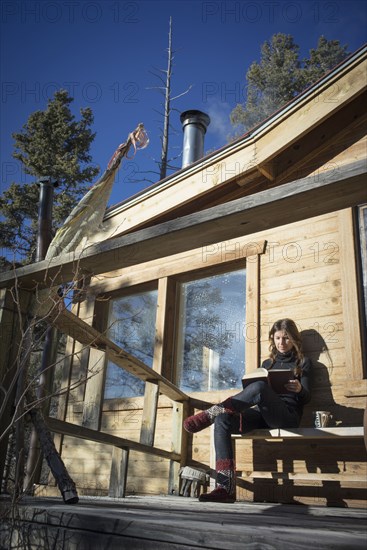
<point x="269" y="12"/>
<point x="28" y="12"/>
<point x="89" y="92"/>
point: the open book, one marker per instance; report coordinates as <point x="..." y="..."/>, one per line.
<point x="277" y="378"/>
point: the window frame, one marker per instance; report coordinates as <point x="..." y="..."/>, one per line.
<point x="125" y="293"/>
<point x="164" y="274"/>
<point x="197" y="276"/>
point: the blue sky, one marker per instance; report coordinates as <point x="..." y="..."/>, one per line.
<point x="104" y="52"/>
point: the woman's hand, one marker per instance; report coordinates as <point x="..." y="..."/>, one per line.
<point x="294" y="386"/>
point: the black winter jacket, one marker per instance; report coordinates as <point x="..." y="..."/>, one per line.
<point x="288" y="360"/>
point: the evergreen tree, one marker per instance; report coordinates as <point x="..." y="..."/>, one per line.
<point x="327" y="55"/>
<point x="52" y="143"/>
<point x="281" y="75"/>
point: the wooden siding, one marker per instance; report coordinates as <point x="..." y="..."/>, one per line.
<point x="300" y="275"/>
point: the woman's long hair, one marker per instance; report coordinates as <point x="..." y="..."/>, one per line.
<point x="290" y="327"/>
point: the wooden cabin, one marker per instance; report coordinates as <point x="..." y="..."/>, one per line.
<point x="181" y="287"/>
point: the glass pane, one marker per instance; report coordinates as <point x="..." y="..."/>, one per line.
<point x="211" y="346"/>
<point x="132" y="327"/>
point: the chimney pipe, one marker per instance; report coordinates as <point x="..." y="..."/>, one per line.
<point x="44" y="235"/>
<point x="194" y="125"/>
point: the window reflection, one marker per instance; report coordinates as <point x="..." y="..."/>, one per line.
<point x="132" y="327"/>
<point x="211" y="345"/>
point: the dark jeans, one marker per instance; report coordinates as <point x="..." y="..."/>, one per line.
<point x="259" y="407"/>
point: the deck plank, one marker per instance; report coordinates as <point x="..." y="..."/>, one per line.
<point x="172" y="523"/>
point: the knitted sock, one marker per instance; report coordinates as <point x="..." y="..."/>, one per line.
<point x="203" y="419"/>
<point x="226" y="475"/>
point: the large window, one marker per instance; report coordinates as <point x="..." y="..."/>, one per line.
<point x="211" y="345"/>
<point x="132" y="327"/>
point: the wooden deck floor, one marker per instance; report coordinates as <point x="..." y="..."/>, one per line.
<point x="179" y="523"/>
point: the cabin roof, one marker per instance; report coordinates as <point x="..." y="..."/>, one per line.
<point x="243" y="139"/>
<point x="267" y="156"/>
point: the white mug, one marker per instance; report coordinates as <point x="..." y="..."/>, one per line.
<point x="322" y="419"/>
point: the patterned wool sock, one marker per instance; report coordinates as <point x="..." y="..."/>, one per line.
<point x="226" y="475"/>
<point x="203" y="419"/>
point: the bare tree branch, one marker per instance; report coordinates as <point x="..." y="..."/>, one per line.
<point x="183" y="93"/>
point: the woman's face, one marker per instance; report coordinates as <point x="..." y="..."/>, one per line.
<point x="282" y="341"/>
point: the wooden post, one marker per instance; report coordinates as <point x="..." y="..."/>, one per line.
<point x="179" y="444"/>
<point x="92" y="406"/>
<point x="62" y="402"/>
<point x="118" y="476"/>
<point x="149" y="416"/>
<point x="95" y="312"/>
<point x="348" y="273"/>
<point x="49" y="358"/>
<point x="19" y="340"/>
<point x="75" y="356"/>
<point x="151" y="394"/>
<point x="22" y="381"/>
<point x="11" y="335"/>
<point x="252" y="332"/>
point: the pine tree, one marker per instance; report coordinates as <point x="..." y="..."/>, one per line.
<point x="327" y="55"/>
<point x="51" y="143"/>
<point x="280" y="76"/>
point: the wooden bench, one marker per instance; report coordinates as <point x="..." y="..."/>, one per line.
<point x="305" y="433"/>
<point x="329" y="433"/>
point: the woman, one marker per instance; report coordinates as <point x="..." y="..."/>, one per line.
<point x="257" y="406"/>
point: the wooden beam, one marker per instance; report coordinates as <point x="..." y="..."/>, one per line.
<point x="298" y="200"/>
<point x="268" y="170"/>
<point x="78" y="329"/>
<point x="73" y="430"/>
<point x="230" y="252"/>
<point x="324" y="143"/>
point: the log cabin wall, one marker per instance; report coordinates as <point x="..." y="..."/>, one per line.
<point x="305" y="272"/>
